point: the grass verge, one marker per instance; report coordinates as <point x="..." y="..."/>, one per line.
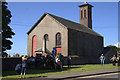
<point x="46" y="72"/>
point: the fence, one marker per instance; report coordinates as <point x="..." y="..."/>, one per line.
<point x="10" y="63"/>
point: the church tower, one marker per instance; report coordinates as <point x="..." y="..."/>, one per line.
<point x="86" y="14"/>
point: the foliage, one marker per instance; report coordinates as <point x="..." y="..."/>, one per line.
<point x="17" y="55"/>
<point x="22" y="55"/>
<point x="114" y="47"/>
<point x="7" y="32"/>
<point x="9" y="55"/>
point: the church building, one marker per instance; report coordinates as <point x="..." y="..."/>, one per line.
<point x="77" y="40"/>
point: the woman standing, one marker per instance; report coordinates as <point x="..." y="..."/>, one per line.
<point x="24" y="66"/>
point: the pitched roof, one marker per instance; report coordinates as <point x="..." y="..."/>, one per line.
<point x="85" y="4"/>
<point x="37" y="23"/>
<point x="69" y="24"/>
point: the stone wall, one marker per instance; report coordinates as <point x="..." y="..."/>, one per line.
<point x="108" y="53"/>
<point x="83" y="44"/>
<point x="84" y="60"/>
<point x="80" y="60"/>
<point x="10" y="63"/>
<point x="86" y="46"/>
<point x="51" y="27"/>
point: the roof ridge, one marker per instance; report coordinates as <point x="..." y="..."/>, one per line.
<point x="64" y="19"/>
<point x="67" y="23"/>
<point x="73" y="22"/>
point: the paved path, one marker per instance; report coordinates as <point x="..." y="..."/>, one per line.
<point x="75" y="75"/>
<point x="80" y="74"/>
<point x="109" y="76"/>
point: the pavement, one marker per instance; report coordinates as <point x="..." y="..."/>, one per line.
<point x="75" y="75"/>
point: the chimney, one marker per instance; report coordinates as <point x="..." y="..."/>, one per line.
<point x="86" y="14"/>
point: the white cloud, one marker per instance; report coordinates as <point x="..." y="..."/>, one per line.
<point x="118" y="44"/>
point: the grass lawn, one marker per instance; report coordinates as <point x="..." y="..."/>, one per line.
<point x="75" y="68"/>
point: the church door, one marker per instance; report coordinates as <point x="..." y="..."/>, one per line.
<point x="58" y="42"/>
<point x="34" y="45"/>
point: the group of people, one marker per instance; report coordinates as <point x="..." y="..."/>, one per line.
<point x="51" y="62"/>
<point x="114" y="60"/>
<point x="42" y="62"/>
<point x="56" y="62"/>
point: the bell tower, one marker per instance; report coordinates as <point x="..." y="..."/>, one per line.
<point x="86" y="14"/>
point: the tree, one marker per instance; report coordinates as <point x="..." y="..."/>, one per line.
<point x="114" y="47"/>
<point x="7" y="32"/>
<point x="17" y="55"/>
<point x="9" y="55"/>
<point x="22" y="55"/>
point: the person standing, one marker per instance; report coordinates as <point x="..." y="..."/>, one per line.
<point x="114" y="59"/>
<point x="57" y="60"/>
<point x="69" y="61"/>
<point x="18" y="68"/>
<point x="102" y="58"/>
<point x="62" y="61"/>
<point x="24" y="66"/>
<point x="118" y="60"/>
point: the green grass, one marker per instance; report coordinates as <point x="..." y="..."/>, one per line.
<point x="75" y="68"/>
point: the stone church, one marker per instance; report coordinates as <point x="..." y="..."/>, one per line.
<point x="77" y="40"/>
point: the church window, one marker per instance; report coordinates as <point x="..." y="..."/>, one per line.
<point x="58" y="39"/>
<point x="45" y="42"/>
<point x="46" y="36"/>
<point x="81" y="14"/>
<point x="85" y="13"/>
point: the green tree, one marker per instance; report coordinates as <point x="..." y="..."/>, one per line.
<point x="9" y="55"/>
<point x="114" y="47"/>
<point x="17" y="55"/>
<point x="22" y="55"/>
<point x="7" y="32"/>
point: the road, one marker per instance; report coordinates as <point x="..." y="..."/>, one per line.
<point x="110" y="76"/>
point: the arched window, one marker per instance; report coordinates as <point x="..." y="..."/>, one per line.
<point x="46" y="36"/>
<point x="34" y="44"/>
<point x="45" y="42"/>
<point x="81" y="14"/>
<point x="84" y="13"/>
<point x="58" y="39"/>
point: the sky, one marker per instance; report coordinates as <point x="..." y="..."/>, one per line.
<point x="26" y="14"/>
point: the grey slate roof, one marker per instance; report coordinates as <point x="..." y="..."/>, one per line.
<point x="76" y="26"/>
<point x="69" y="24"/>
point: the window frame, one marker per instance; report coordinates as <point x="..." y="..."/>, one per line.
<point x="58" y="44"/>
